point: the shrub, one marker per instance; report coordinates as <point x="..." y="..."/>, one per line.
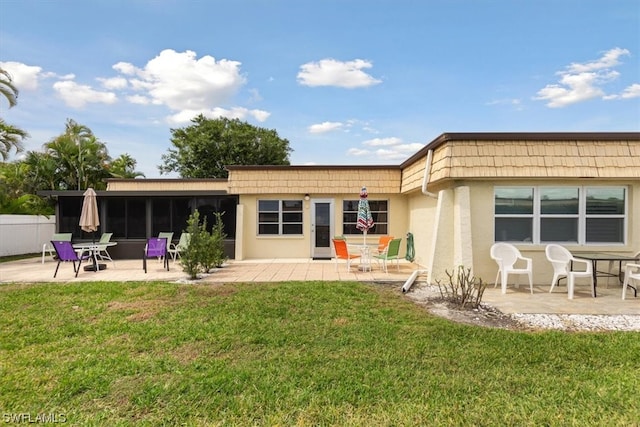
<point x="463" y="289"/>
<point x="205" y="250"/>
<point x="217" y="241"/>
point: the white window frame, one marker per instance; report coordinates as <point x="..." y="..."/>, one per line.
<point x="536" y="216"/>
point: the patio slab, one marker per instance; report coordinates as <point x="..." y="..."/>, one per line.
<point x="516" y="300"/>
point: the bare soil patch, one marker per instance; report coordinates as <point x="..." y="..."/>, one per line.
<point x="430" y="298"/>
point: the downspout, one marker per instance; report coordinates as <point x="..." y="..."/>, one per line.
<point x="425" y="181"/>
<point x="427" y="173"/>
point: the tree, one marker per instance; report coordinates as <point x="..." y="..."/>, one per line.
<point x="203" y="149"/>
<point x="7" y="89"/>
<point x="81" y="158"/>
<point x="10" y="136"/>
<point x="124" y="167"/>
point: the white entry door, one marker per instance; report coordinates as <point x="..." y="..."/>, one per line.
<point x="321" y="228"/>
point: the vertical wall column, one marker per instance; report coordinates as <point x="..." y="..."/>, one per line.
<point x="452" y="244"/>
<point x="441" y="252"/>
<point x="239" y="232"/>
<point x="462" y="237"/>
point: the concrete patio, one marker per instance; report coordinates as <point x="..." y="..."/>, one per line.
<point x="516" y="300"/>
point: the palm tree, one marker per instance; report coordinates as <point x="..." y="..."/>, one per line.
<point x="124" y="167"/>
<point x="7" y="88"/>
<point x="10" y="136"/>
<point x="81" y="157"/>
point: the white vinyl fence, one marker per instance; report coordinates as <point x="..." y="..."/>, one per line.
<point x="25" y="234"/>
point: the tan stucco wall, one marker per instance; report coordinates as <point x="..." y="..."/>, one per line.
<point x="483" y="229"/>
<point x="457" y="228"/>
<point x="299" y="246"/>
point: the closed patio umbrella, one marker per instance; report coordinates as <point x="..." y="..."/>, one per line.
<point x="365" y="219"/>
<point x="89" y="218"/>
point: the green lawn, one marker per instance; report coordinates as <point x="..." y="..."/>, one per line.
<point x="294" y="353"/>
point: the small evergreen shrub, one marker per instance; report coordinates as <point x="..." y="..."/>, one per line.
<point x="205" y="250"/>
<point x="463" y="289"/>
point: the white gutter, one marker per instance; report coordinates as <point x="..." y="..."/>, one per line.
<point x="427" y="173"/>
<point x="425" y="181"/>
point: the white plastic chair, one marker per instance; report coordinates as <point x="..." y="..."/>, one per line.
<point x="506" y="256"/>
<point x="631" y="272"/>
<point x="101" y="251"/>
<point x="176" y="250"/>
<point x="612" y="271"/>
<point x="562" y="260"/>
<point x="59" y="237"/>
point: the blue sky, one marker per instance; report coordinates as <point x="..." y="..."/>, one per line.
<point x="345" y="81"/>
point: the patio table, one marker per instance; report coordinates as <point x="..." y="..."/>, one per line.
<point x="93" y="248"/>
<point x="594" y="257"/>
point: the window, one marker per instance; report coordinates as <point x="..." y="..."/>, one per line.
<point x="126" y="218"/>
<point x="279" y="217"/>
<point x="581" y="215"/>
<point x="379" y="212"/>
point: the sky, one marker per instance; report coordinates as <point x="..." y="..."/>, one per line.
<point x="346" y="82"/>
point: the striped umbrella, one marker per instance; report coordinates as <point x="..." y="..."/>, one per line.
<point x="365" y="219"/>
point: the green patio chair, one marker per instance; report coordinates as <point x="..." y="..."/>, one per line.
<point x="102" y="252"/>
<point x="176" y="250"/>
<point x="392" y="252"/>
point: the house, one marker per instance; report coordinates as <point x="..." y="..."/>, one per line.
<point x="457" y="196"/>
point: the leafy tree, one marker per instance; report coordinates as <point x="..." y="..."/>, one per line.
<point x="27" y="204"/>
<point x="40" y="172"/>
<point x="203" y="149"/>
<point x="81" y="158"/>
<point x="10" y="136"/>
<point x="124" y="167"/>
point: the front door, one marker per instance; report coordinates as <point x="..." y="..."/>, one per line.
<point x="321" y="228"/>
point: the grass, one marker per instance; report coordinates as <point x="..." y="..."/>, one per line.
<point x="294" y="353"/>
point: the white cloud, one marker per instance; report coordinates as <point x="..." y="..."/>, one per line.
<point x="325" y="127"/>
<point x="77" y="96"/>
<point x="182" y="82"/>
<point x="514" y="102"/>
<point x="378" y="142"/>
<point x="114" y="83"/>
<point x="632" y="91"/>
<point x="358" y="152"/>
<point x="329" y="72"/>
<point x="386" y="154"/>
<point x="608" y="60"/>
<point x="139" y="99"/>
<point x="185" y="116"/>
<point x="23" y="77"/>
<point x="392" y="148"/>
<point x="583" y="81"/>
